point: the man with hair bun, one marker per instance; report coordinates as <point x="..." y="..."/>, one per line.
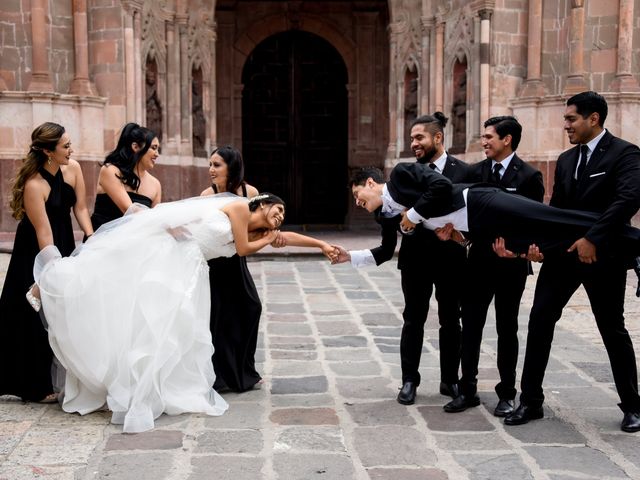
<point x="424" y="262"/>
<point x="427" y="263"/>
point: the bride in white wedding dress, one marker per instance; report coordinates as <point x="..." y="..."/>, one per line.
<point x="128" y="312"/>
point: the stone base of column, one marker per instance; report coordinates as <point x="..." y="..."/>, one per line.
<point x="532" y="88"/>
<point x="625" y="83"/>
<point x="575" y="84"/>
<point x="40" y="82"/>
<point x="83" y="87"/>
<point x="3" y="85"/>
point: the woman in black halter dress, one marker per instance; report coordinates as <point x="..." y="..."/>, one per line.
<point x="45" y="189"/>
<point x="124" y="177"/>
<point x="235" y="303"/>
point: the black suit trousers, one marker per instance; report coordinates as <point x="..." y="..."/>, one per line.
<point x="520" y="221"/>
<point x="417" y="286"/>
<point x="604" y="282"/>
<point x="503" y="281"/>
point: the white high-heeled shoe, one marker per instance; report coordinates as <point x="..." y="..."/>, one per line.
<point x="34" y="301"/>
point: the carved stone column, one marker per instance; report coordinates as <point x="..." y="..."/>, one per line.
<point x="173" y="89"/>
<point x="137" y="66"/>
<point x="427" y="26"/>
<point x="439" y="73"/>
<point x="81" y="84"/>
<point x="393" y="148"/>
<point x="213" y="110"/>
<point x="185" y="82"/>
<point x="625" y="81"/>
<point x="485" y="37"/>
<point x="365" y="39"/>
<point x="575" y="80"/>
<point x="129" y="65"/>
<point x="40" y="78"/>
<point x="533" y="86"/>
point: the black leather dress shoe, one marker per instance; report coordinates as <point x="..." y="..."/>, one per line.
<point x="523" y="414"/>
<point x="449" y="389"/>
<point x="630" y="422"/>
<point x="505" y="407"/>
<point x="461" y="403"/>
<point x="407" y="395"/>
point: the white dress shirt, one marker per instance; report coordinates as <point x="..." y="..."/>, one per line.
<point x="391" y="208"/>
<point x="440" y="163"/>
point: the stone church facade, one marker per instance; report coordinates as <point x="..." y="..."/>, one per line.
<point x="308" y="90"/>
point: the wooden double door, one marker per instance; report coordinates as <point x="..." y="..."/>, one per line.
<point x="294" y="126"/>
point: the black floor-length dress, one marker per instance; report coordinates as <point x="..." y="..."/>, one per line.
<point x="235" y="318"/>
<point x="25" y="354"/>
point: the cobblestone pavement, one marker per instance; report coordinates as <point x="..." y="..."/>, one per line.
<point x="329" y="353"/>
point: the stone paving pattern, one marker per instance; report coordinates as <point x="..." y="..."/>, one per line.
<point x="329" y="353"/>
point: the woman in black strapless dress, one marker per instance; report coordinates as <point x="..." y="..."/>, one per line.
<point x="124" y="177"/>
<point x="46" y="187"/>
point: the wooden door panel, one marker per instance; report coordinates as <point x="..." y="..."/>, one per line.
<point x="295" y="125"/>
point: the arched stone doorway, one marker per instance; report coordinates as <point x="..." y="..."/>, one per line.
<point x="294" y="125"/>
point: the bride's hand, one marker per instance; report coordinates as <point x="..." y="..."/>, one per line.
<point x="271" y="235"/>
<point x="329" y="251"/>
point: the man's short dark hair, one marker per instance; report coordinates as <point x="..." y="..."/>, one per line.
<point x="506" y="125"/>
<point x="590" y="102"/>
<point x="360" y="176"/>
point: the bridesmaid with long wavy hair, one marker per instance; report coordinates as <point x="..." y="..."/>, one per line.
<point x="47" y="186"/>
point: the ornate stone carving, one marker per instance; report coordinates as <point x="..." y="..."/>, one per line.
<point x="153" y="105"/>
<point x="154" y="43"/>
<point x="199" y="131"/>
<point x="201" y="34"/>
<point x="459" y="37"/>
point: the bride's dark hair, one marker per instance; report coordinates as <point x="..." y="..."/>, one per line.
<point x="264" y="198"/>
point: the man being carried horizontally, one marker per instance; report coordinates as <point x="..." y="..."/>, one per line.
<point x="475" y="212"/>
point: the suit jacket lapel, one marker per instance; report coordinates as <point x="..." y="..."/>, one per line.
<point x="448" y="168"/>
<point x="514" y="167"/>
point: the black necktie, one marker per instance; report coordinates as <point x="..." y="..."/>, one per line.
<point x="584" y="151"/>
<point x="433" y="166"/>
<point x="496" y="173"/>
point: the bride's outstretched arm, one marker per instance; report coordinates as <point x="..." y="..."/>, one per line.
<point x="298" y="240"/>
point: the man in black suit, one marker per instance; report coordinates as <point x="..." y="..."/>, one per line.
<point x="491" y="277"/>
<point x="425" y="263"/>
<point x="600" y="174"/>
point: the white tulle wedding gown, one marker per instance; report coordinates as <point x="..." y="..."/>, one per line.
<point x="128" y="313"/>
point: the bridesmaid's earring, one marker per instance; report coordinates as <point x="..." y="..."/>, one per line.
<point x="49" y="160"/>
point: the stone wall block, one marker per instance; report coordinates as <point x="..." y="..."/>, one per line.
<point x="603" y="61"/>
<point x="607" y="36"/>
<point x="105" y="51"/>
<point x="600" y="8"/>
